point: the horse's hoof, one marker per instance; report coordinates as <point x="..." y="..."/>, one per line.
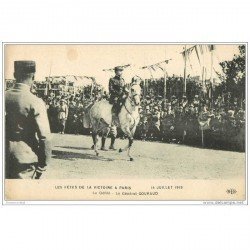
<point x="131" y="159"/>
<point x="97" y="154"/>
<point x="104" y="149"/>
<point x="93" y="147"/>
<point x="120" y="150"/>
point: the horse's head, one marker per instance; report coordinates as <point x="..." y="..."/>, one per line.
<point x="135" y="90"/>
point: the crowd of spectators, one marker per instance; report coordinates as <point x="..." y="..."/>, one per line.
<point x="199" y="122"/>
<point x="196" y="121"/>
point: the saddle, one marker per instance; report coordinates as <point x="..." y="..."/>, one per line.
<point x="116" y="108"/>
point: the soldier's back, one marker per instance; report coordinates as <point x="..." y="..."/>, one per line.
<point x="26" y="120"/>
<point x="20" y="107"/>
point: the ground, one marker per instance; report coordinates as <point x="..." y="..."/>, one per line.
<point x="73" y="158"/>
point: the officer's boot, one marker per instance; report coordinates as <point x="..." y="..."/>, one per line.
<point x="115" y="112"/>
<point x="112" y="147"/>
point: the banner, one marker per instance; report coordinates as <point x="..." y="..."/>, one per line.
<point x="205" y="125"/>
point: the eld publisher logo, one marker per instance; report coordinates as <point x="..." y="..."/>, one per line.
<point x="231" y="191"/>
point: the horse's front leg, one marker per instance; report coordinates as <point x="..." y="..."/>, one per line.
<point x="130" y="143"/>
<point x="130" y="134"/>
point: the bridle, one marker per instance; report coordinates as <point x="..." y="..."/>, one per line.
<point x="132" y="99"/>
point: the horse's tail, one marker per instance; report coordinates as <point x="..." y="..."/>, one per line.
<point x="86" y="118"/>
<point x="100" y="115"/>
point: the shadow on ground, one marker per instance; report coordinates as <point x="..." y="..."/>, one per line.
<point x="78" y="148"/>
<point x="72" y="156"/>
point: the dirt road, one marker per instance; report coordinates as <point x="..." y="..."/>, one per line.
<point x="73" y="158"/>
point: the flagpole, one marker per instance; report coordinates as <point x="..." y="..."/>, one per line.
<point x="48" y="85"/>
<point x="185" y="69"/>
<point x="163" y="68"/>
<point x="211" y="76"/>
<point x="165" y="86"/>
<point x="165" y="81"/>
<point x="144" y="89"/>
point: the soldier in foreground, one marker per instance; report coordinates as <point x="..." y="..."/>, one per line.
<point x="28" y="146"/>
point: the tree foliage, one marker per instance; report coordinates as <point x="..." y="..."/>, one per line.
<point x="234" y="77"/>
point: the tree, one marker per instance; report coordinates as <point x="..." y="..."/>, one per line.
<point x="234" y="77"/>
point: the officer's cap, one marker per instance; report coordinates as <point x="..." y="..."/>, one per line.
<point x="118" y="68"/>
<point x="25" y="67"/>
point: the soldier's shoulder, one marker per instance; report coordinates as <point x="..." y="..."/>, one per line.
<point x="113" y="78"/>
<point x="37" y="102"/>
<point x="7" y="93"/>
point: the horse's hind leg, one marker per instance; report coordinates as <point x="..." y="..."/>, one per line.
<point x="113" y="134"/>
<point x="105" y="133"/>
<point x="95" y="140"/>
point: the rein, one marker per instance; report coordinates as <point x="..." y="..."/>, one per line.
<point x="131" y="101"/>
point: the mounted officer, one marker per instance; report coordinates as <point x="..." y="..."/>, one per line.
<point x="28" y="147"/>
<point x="118" y="92"/>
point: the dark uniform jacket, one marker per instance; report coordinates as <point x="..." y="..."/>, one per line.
<point x="27" y="127"/>
<point x="116" y="87"/>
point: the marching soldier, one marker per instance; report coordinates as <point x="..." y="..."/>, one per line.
<point x="62" y="115"/>
<point x="28" y="147"/>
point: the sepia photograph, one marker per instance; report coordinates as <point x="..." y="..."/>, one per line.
<point x="114" y="122"/>
<point x="124" y="125"/>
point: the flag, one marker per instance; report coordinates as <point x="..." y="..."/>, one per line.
<point x="197" y="53"/>
<point x="160" y="67"/>
<point x="211" y="47"/>
<point x="205" y="125"/>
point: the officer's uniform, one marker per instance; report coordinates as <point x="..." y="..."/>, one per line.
<point x="27" y="129"/>
<point x="116" y="90"/>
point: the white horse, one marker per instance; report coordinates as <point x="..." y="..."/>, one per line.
<point x="101" y="116"/>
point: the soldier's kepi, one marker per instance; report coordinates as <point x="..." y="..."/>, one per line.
<point x="28" y="147"/>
